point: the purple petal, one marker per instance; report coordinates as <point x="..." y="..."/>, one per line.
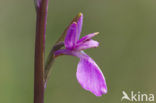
<point x="70" y="39"/>
<point x="87" y="44"/>
<point x="79" y="23"/>
<point x="78" y="54"/>
<point x="63" y="52"/>
<point x="90" y="76"/>
<point x="87" y="37"/>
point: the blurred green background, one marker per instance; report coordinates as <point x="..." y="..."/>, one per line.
<point x="126" y="55"/>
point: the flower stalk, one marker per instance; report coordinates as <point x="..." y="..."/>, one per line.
<point x="50" y="60"/>
<point x="41" y="10"/>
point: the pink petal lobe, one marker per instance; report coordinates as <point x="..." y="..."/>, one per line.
<point x="90" y="77"/>
<point x="87" y="37"/>
<point x="79" y="27"/>
<point x="70" y="38"/>
<point x="87" y="44"/>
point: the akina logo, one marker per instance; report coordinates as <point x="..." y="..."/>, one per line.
<point x="137" y="96"/>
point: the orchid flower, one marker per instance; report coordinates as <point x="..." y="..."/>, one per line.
<point x="88" y="73"/>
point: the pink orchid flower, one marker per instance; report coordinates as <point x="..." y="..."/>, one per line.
<point x="88" y="73"/>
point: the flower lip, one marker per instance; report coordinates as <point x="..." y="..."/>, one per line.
<point x="90" y="76"/>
